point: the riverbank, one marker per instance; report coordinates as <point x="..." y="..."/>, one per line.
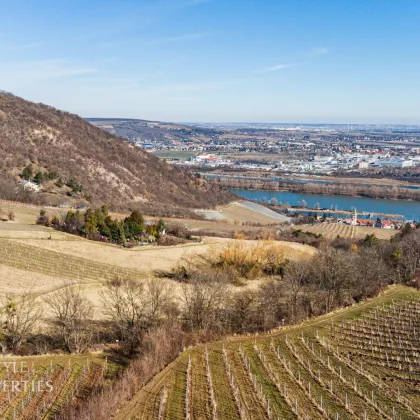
<point x="410" y="210"/>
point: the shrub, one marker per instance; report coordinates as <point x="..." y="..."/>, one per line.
<point x="177" y="230"/>
<point x="264" y="258"/>
<point x="341" y="243"/>
<point x="43" y="220"/>
<point x="27" y="173"/>
<point x="236" y="261"/>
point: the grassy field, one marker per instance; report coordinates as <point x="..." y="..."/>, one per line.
<point x="358" y="363"/>
<point x="332" y="230"/>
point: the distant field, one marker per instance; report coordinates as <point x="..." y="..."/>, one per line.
<point x="358" y="363"/>
<point x="332" y="230"/>
<point x="222" y="225"/>
<point x="245" y="212"/>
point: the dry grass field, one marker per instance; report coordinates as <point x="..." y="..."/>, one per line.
<point x="332" y="230"/>
<point x="39" y="259"/>
<point x="239" y="212"/>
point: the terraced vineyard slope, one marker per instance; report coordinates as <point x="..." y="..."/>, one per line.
<point x="358" y="363"/>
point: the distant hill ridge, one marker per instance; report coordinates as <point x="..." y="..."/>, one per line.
<point x="110" y="169"/>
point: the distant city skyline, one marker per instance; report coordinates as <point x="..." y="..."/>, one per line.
<point x="291" y="61"/>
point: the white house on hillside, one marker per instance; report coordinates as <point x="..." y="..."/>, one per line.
<point x="29" y="186"/>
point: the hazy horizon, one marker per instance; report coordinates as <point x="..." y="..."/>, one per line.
<point x="259" y="122"/>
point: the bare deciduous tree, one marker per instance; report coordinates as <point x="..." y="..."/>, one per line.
<point x="19" y="316"/>
<point x="409" y="260"/>
<point x="243" y="312"/>
<point x="271" y="304"/>
<point x="332" y="269"/>
<point x="125" y="305"/>
<point x="295" y="279"/>
<point x="159" y="295"/>
<point x="372" y="273"/>
<point x="202" y="303"/>
<point x="72" y="316"/>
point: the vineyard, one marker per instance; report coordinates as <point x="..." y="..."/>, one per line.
<point x="358" y="363"/>
<point x="332" y="230"/>
<point x="35" y="259"/>
<point x="35" y="390"/>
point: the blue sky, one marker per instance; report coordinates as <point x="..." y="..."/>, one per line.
<point x="333" y="61"/>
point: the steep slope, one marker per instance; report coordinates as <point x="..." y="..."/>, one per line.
<point x="109" y="168"/>
<point x="344" y="365"/>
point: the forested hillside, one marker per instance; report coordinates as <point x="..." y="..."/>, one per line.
<point x="108" y="168"/>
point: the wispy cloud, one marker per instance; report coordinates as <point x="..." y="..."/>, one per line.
<point x="319" y="51"/>
<point x="277" y="67"/>
<point x="314" y="52"/>
<point x="42" y="69"/>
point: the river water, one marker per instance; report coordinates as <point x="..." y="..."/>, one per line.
<point x="409" y="209"/>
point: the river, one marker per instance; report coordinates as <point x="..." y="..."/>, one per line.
<point x="409" y="209"/>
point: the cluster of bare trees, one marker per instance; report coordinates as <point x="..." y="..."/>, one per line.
<point x="65" y="319"/>
<point x="134" y="307"/>
<point x="131" y="309"/>
<point x="339" y="274"/>
<point x="404" y="256"/>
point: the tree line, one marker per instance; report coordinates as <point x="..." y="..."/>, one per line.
<point x="99" y="225"/>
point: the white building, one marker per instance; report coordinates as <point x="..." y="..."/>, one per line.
<point x="29" y="186"/>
